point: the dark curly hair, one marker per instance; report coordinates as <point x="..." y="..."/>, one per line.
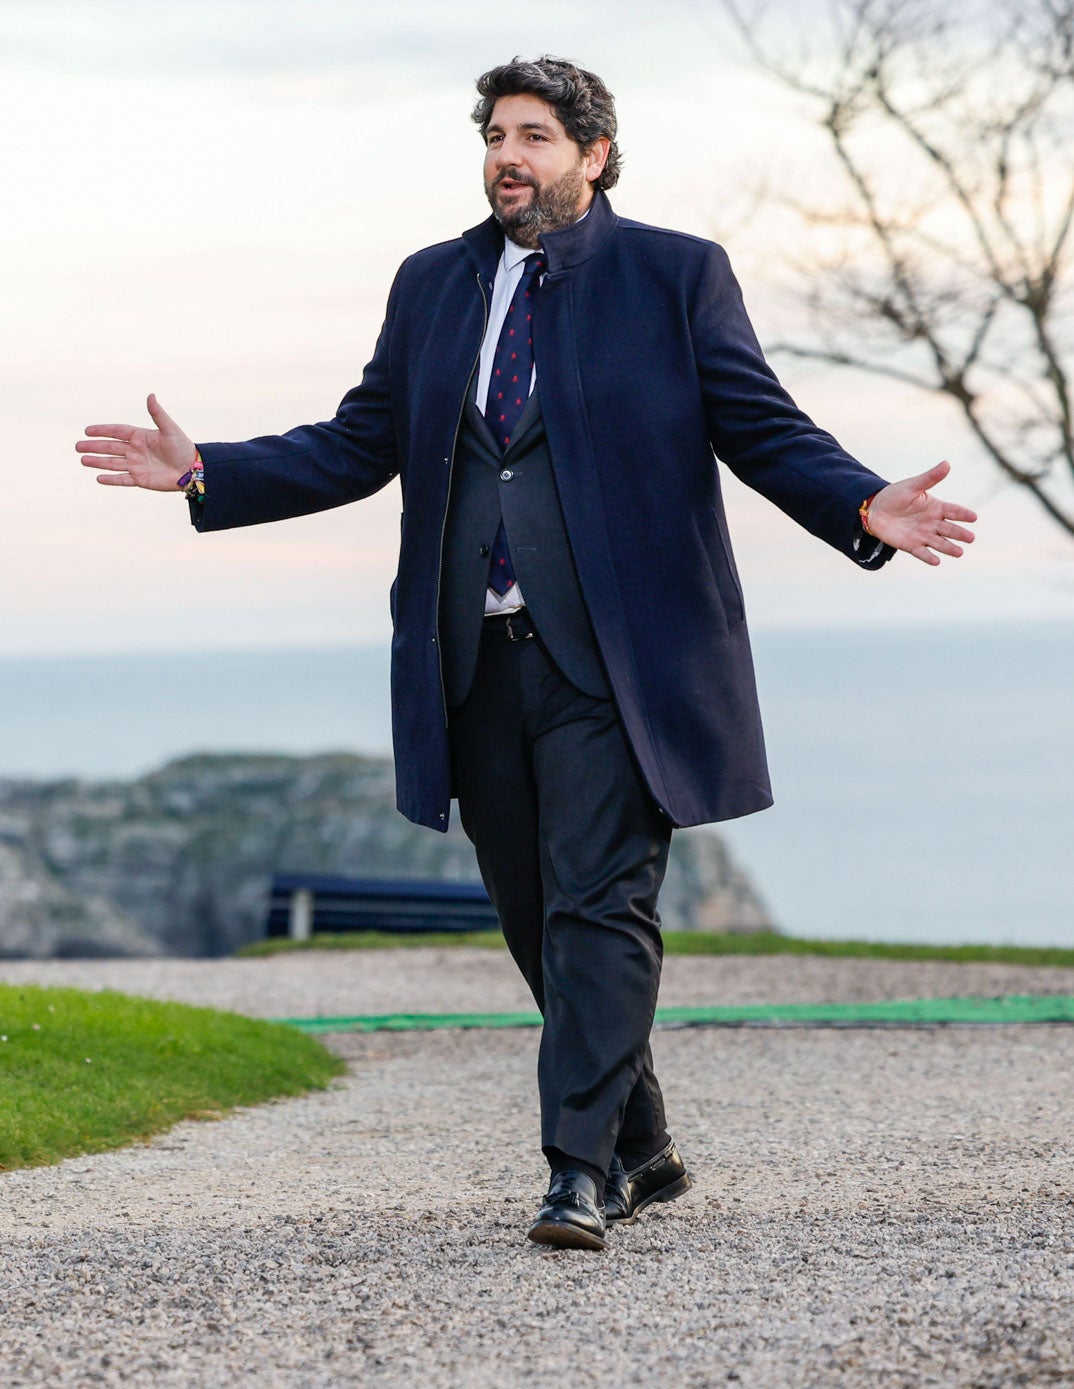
<point x="580" y="100"/>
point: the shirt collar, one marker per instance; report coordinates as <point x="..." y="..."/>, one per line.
<point x="514" y="254"/>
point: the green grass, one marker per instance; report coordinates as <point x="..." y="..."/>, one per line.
<point x="83" y="1072"/>
<point x="701" y="943"/>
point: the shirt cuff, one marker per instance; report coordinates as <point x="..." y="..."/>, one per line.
<point x="867" y="551"/>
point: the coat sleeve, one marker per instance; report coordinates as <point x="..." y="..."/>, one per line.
<point x="314" y="467"/>
<point x="761" y="434"/>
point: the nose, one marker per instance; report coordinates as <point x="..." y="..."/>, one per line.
<point x="509" y="151"/>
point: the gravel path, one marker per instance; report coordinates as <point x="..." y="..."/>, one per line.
<point x="872" y="1208"/>
<point x="348" y="983"/>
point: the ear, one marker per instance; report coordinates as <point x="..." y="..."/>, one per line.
<point x="596" y="156"/>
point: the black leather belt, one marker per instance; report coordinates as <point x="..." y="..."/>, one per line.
<point x="515" y="626"/>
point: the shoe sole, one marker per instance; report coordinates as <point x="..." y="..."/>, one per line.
<point x="563" y="1236"/>
<point x="666" y="1193"/>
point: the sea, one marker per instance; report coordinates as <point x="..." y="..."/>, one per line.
<point x="924" y="778"/>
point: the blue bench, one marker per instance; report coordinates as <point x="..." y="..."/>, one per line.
<point x="302" y="903"/>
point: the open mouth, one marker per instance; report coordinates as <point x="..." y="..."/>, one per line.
<point x="512" y="185"/>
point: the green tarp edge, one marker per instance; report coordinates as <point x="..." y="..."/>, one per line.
<point x="1015" y="1008"/>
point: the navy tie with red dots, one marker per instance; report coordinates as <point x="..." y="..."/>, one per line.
<point x="509" y="388"/>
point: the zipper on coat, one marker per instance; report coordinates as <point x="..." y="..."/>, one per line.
<point x="451" y="469"/>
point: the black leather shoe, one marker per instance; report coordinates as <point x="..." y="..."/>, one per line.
<point x="662" y="1178"/>
<point x="570" y="1217"/>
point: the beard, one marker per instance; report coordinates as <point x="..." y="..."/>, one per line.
<point x="550" y="207"/>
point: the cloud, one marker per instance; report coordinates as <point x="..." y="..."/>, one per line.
<point x="427" y="39"/>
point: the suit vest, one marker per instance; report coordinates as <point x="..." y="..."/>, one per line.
<point x="519" y="487"/>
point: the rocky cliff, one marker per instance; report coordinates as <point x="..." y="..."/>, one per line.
<point x="179" y="861"/>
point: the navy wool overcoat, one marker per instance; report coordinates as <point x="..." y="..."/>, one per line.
<point x="649" y="371"/>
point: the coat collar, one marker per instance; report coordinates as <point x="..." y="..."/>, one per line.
<point x="573" y="245"/>
<point x="564" y="249"/>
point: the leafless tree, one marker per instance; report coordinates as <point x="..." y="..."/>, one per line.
<point x="945" y="261"/>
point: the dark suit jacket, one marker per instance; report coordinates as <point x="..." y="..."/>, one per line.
<point x="647" y="365"/>
<point x="516" y="487"/>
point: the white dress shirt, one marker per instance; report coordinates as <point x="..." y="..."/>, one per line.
<point x="508" y="274"/>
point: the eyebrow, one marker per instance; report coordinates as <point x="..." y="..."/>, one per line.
<point x="524" y="125"/>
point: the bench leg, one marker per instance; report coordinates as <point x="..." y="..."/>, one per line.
<point x="300" y="918"/>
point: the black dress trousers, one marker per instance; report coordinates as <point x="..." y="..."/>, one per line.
<point x="572" y="850"/>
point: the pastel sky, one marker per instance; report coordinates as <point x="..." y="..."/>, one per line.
<point x="209" y="201"/>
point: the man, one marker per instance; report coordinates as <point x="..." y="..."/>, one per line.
<point x="570" y="655"/>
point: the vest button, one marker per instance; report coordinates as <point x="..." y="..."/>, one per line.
<point x="506" y="475"/>
<point x="483" y="551"/>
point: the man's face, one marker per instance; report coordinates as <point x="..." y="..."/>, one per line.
<point x="536" y="178"/>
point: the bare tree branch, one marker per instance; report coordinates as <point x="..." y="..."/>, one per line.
<point x="956" y="253"/>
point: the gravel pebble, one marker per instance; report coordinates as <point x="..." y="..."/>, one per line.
<point x="888" y="1209"/>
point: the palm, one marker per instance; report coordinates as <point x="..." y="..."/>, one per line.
<point x="906" y="517"/>
<point x="154" y="458"/>
<point x="136" y="457"/>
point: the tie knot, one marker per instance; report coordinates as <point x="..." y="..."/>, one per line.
<point x="534" y="264"/>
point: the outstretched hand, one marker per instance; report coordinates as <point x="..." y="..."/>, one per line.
<point x="133" y="457"/>
<point x="905" y="516"/>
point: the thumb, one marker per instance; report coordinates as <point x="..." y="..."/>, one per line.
<point x="928" y="479"/>
<point x="160" y="417"/>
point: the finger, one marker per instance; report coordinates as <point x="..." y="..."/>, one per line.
<point x="116" y="480"/>
<point x="113" y="446"/>
<point x="111" y="431"/>
<point x="953" y="512"/>
<point x="161" y="418"/>
<point x="946" y="547"/>
<point x="954" y="532"/>
<point x="100" y="460"/>
<point x="923" y="553"/>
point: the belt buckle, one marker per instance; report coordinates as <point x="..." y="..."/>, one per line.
<point x="523" y="636"/>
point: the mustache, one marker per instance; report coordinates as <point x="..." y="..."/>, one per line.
<point x="515" y="177"/>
